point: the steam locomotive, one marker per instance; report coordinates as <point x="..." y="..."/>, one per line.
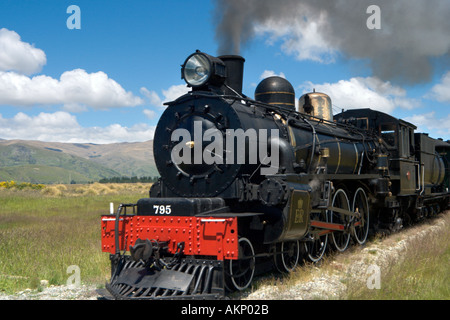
<point x="251" y="183"/>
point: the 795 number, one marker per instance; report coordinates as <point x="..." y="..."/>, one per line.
<point x="162" y="209"/>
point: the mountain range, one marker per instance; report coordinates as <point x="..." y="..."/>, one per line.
<point x="56" y="162"/>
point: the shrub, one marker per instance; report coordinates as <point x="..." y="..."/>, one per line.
<point x="20" y="186"/>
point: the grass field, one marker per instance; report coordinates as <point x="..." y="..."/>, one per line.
<point x="43" y="232"/>
<point x="423" y="273"/>
<point x="418" y="270"/>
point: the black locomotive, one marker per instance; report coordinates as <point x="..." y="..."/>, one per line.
<point x="249" y="181"/>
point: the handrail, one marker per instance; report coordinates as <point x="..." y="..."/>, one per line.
<point x="116" y="224"/>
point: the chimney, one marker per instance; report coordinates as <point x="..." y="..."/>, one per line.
<point x="235" y="73"/>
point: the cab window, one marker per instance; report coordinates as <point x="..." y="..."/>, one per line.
<point x="389" y="133"/>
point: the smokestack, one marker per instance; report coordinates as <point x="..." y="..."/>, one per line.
<point x="235" y="73"/>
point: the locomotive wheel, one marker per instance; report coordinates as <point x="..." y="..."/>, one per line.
<point x="240" y="272"/>
<point x="317" y="243"/>
<point x="287" y="256"/>
<point x="340" y="239"/>
<point x="361" y="205"/>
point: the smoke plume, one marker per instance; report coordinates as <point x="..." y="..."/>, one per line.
<point x="412" y="33"/>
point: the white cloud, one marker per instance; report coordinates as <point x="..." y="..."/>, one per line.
<point x="361" y="92"/>
<point x="301" y="35"/>
<point x="16" y="55"/>
<point x="149" y="113"/>
<point x="74" y="89"/>
<point x="64" y="127"/>
<point x="434" y="125"/>
<point x="172" y="93"/>
<point x="441" y="91"/>
<point x="175" y="92"/>
<point x="271" y="73"/>
<point x="152" y="96"/>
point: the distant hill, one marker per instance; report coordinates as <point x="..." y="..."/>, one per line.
<point x="55" y="162"/>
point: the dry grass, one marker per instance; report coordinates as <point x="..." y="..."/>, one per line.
<point x="94" y="189"/>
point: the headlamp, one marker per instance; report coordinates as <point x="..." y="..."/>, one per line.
<point x="201" y="69"/>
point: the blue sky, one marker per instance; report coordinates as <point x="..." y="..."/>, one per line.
<point x="106" y="82"/>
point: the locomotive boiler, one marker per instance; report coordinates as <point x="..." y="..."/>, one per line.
<point x="250" y="182"/>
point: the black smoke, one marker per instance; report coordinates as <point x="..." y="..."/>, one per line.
<point x="413" y="34"/>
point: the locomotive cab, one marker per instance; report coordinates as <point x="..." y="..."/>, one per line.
<point x="396" y="135"/>
<point x="397" y="140"/>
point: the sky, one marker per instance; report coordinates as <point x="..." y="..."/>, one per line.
<point x="102" y="74"/>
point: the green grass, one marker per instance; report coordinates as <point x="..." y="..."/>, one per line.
<point x="423" y="274"/>
<point x="42" y="233"/>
